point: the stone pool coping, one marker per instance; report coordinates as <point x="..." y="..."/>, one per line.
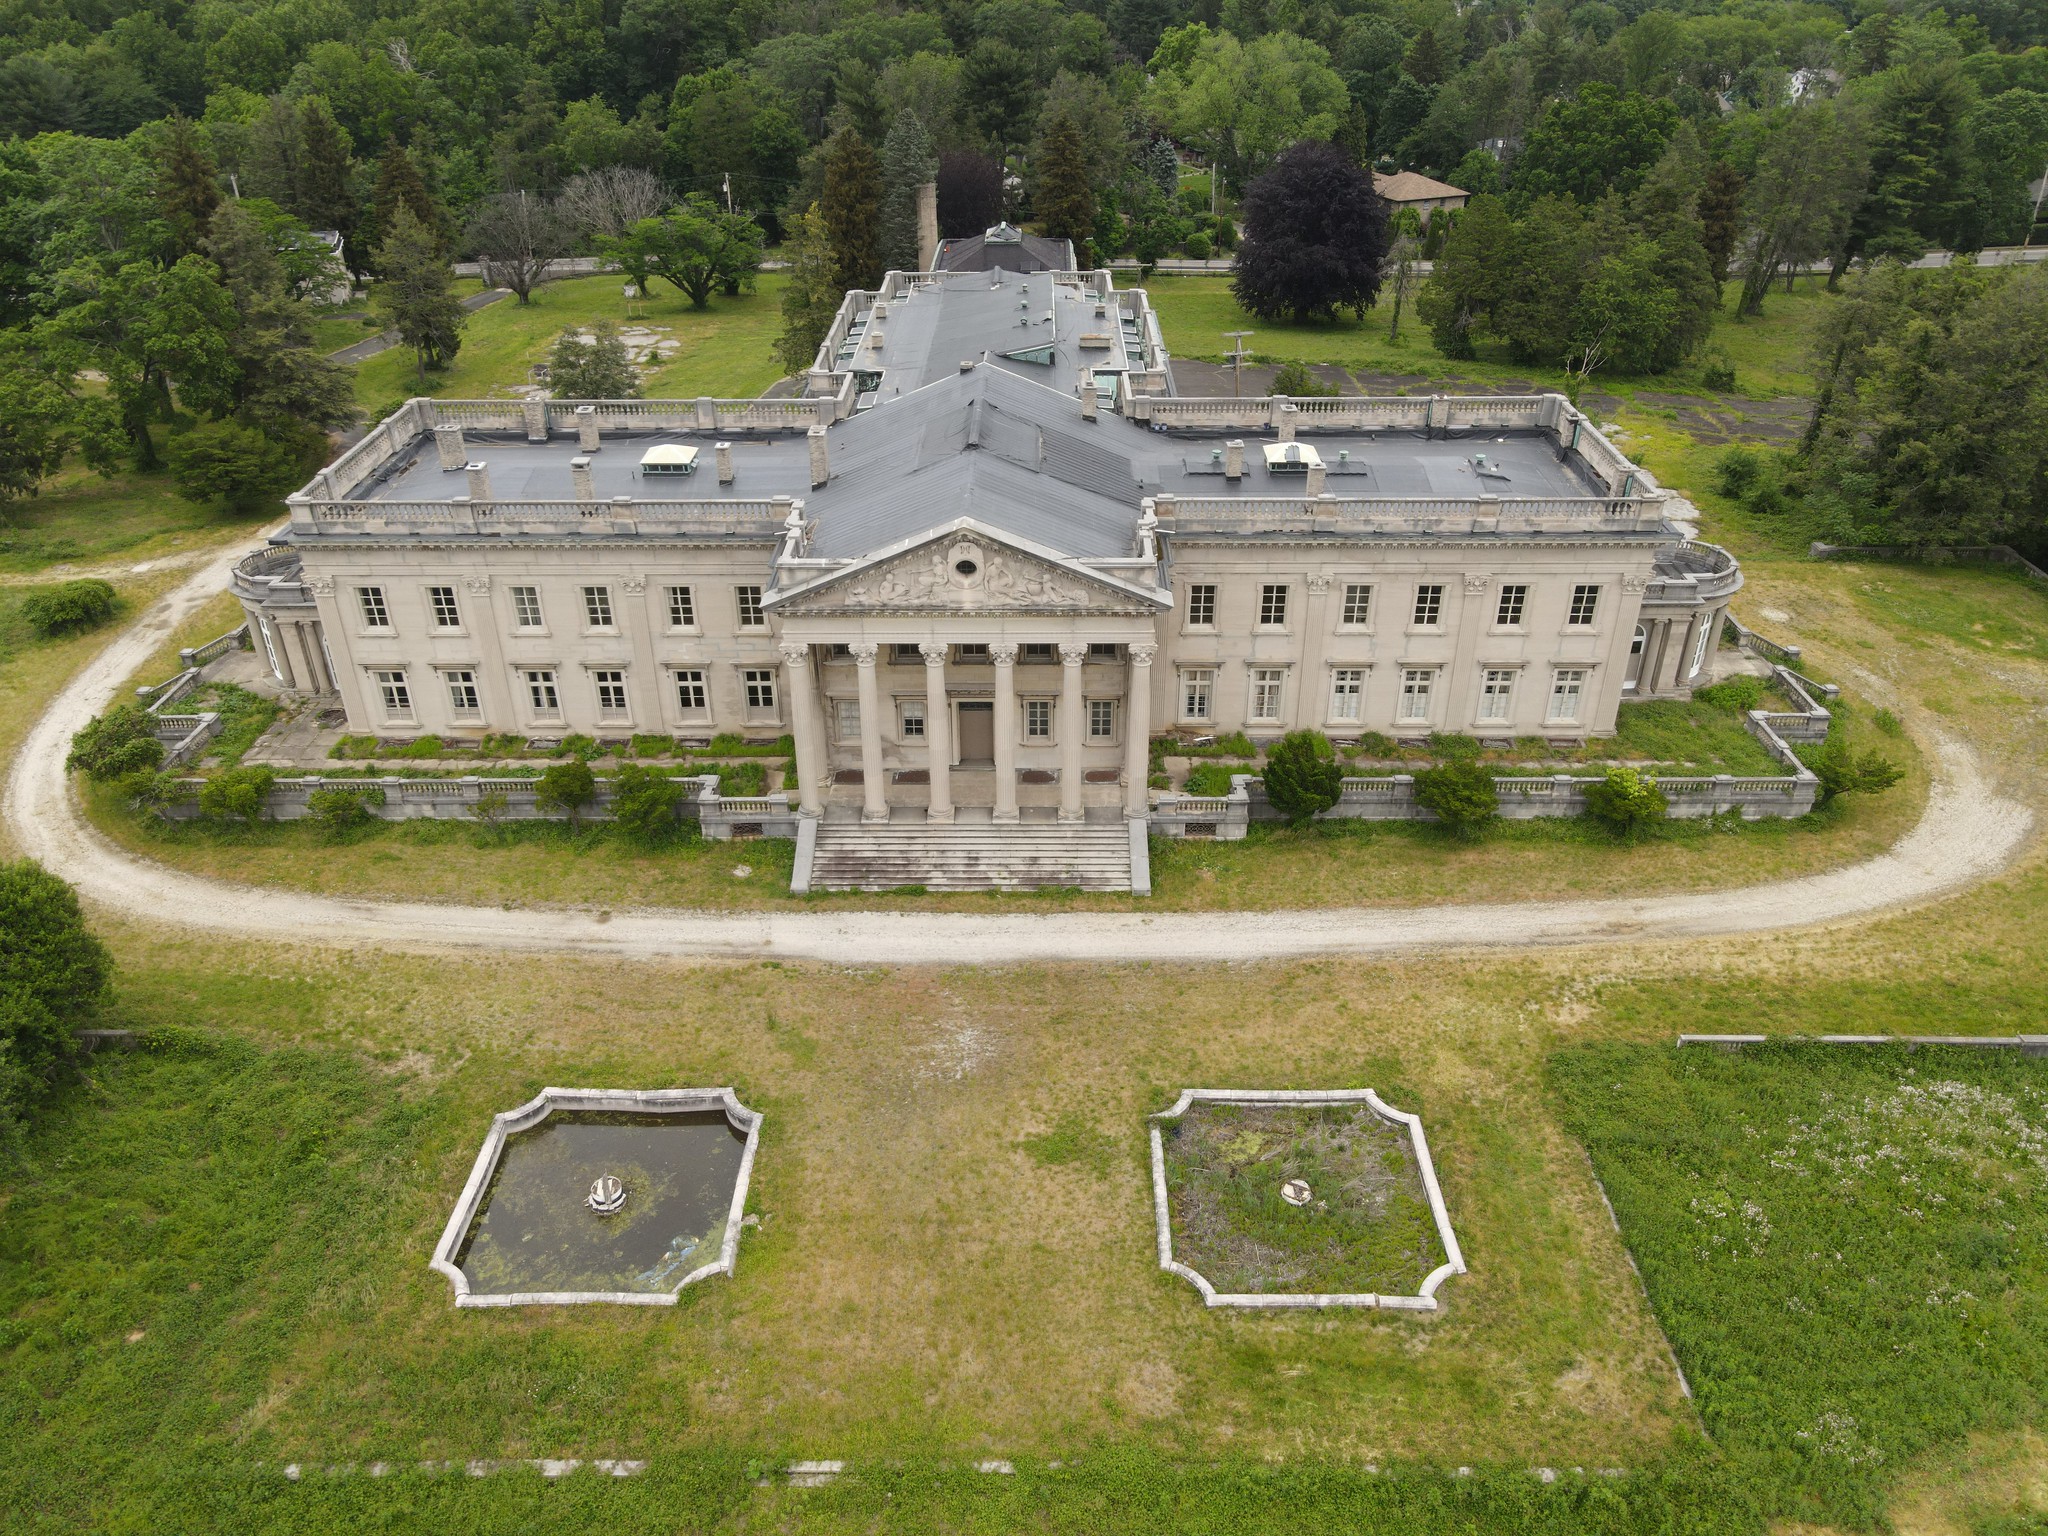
<point x="1254" y="1098"/>
<point x="609" y="1100"/>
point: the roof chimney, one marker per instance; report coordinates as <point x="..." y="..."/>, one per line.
<point x="1088" y="398"/>
<point x="723" y="452"/>
<point x="454" y="453"/>
<point x="579" y="472"/>
<point x="1233" y="459"/>
<point x="1285" y="412"/>
<point x="1316" y="474"/>
<point x="586" y="428"/>
<point x="479" y="480"/>
<point x="821" y="466"/>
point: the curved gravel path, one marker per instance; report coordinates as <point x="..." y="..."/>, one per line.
<point x="1967" y="833"/>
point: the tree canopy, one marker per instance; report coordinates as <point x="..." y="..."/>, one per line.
<point x="1314" y="238"/>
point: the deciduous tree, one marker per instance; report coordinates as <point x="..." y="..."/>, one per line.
<point x="591" y="367"/>
<point x="1315" y="238"/>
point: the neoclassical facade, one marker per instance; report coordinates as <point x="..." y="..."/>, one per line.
<point x="983" y="560"/>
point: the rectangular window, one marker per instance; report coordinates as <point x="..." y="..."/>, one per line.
<point x="752" y="615"/>
<point x="611" y="693"/>
<point x="846" y="719"/>
<point x="526" y="607"/>
<point x="1416" y="685"/>
<point x="446" y="614"/>
<point x="1039" y="654"/>
<point x="1429" y="606"/>
<point x="971" y="655"/>
<point x="913" y="719"/>
<point x="1566" y="684"/>
<point x="760" y="686"/>
<point x="396" y="695"/>
<point x="463" y="700"/>
<point x="375" y="614"/>
<point x="1347" y="692"/>
<point x="1038" y="719"/>
<point x="1496" y="693"/>
<point x="597" y="607"/>
<point x="1357" y="603"/>
<point x="1101" y="719"/>
<point x="1197" y="684"/>
<point x="692" y="697"/>
<point x="1513" y="599"/>
<point x="1105" y="653"/>
<point x="682" y="608"/>
<point x="1273" y="605"/>
<point x="1202" y="605"/>
<point x="1585" y="603"/>
<point x="906" y="655"/>
<point x="540" y="688"/>
<point x="1266" y="685"/>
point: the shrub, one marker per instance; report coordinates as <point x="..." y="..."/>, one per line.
<point x="1628" y="800"/>
<point x="580" y="746"/>
<point x="1198" y="247"/>
<point x="118" y="743"/>
<point x="241" y="465"/>
<point x="1294" y="379"/>
<point x="1736" y="471"/>
<point x="1717" y="372"/>
<point x="1461" y="794"/>
<point x="1453" y="746"/>
<point x="1844" y="773"/>
<point x="743" y="779"/>
<point x="240" y="794"/>
<point x="653" y="746"/>
<point x="70" y="607"/>
<point x="338" y="812"/>
<point x="53" y="976"/>
<point x="1740" y="693"/>
<point x="565" y="787"/>
<point x="489" y="810"/>
<point x="1888" y="722"/>
<point x="1236" y="744"/>
<point x="1302" y="776"/>
<point x="149" y="791"/>
<point x="1212" y="776"/>
<point x="1223" y="230"/>
<point x="354" y="746"/>
<point x="424" y="746"/>
<point x="644" y="803"/>
<point x="1377" y="744"/>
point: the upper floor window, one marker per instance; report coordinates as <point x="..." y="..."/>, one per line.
<point x="375" y="614"/>
<point x="1038" y="719"/>
<point x="1273" y="604"/>
<point x="526" y="607"/>
<point x="1585" y="603"/>
<point x="446" y="614"/>
<point x="597" y="607"/>
<point x="971" y="655"/>
<point x="1101" y="719"/>
<point x="1099" y="652"/>
<point x="682" y="608"/>
<point x="1429" y="606"/>
<point x="1039" y="652"/>
<point x="397" y="696"/>
<point x="752" y="615"/>
<point x="908" y="655"/>
<point x="1513" y="599"/>
<point x="1202" y="605"/>
<point x="1357" y="603"/>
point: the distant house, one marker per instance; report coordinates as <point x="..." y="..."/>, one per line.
<point x="1411" y="189"/>
<point x="1006" y="248"/>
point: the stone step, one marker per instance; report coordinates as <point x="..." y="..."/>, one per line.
<point x="975" y="857"/>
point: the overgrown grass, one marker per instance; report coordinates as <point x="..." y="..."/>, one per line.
<point x="244" y="717"/>
<point x="1844" y="1245"/>
<point x="83" y="518"/>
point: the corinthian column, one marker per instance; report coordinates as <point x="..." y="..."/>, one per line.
<point x="1005" y="657"/>
<point x="874" y="803"/>
<point x="1072" y="658"/>
<point x="803" y="725"/>
<point x="938" y="731"/>
<point x="1138" y="732"/>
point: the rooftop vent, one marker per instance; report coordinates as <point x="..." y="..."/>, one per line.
<point x="669" y="459"/>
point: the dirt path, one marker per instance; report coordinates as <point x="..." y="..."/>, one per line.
<point x="1967" y="833"/>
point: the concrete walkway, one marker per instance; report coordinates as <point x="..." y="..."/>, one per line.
<point x="384" y="341"/>
<point x="1967" y="834"/>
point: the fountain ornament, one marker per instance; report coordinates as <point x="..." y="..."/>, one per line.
<point x="607" y="1194"/>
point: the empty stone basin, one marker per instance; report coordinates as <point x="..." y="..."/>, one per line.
<point x="525" y="1230"/>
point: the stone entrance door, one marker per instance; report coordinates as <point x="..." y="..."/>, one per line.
<point x="977" y="732"/>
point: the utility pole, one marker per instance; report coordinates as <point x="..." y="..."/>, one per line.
<point x="1235" y="357"/>
<point x="2037" y="208"/>
<point x="728" y="191"/>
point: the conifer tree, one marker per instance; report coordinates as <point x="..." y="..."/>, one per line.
<point x="1720" y="206"/>
<point x="322" y="196"/>
<point x="399" y="181"/>
<point x="812" y="296"/>
<point x="851" y="208"/>
<point x="1066" y="202"/>
<point x="908" y="162"/>
<point x="1424" y="61"/>
<point x="187" y="184"/>
<point x="417" y="293"/>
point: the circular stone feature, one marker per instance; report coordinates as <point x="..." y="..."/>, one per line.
<point x="965" y="567"/>
<point x="1296" y="1192"/>
<point x="607" y="1194"/>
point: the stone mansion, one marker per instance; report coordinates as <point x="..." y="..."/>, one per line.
<point x="984" y="556"/>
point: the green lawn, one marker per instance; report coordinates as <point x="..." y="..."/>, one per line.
<point x="82" y="518"/>
<point x="725" y="349"/>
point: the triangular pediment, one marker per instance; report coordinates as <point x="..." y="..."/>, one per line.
<point x="967" y="567"/>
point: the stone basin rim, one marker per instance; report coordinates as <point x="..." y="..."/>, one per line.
<point x="657" y="1101"/>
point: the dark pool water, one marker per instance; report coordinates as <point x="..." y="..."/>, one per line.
<point x="534" y="1232"/>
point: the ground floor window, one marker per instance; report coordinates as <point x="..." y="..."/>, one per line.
<point x="913" y="719"/>
<point x="391" y="686"/>
<point x="760" y="690"/>
<point x="1038" y="719"/>
<point x="611" y="693"/>
<point x="269" y="646"/>
<point x="1636" y="647"/>
<point x="1347" y="692"/>
<point x="463" y="699"/>
<point x="1417" y="684"/>
<point x="1566" y="685"/>
<point x="1102" y="719"/>
<point x="1699" y="649"/>
<point x="692" y="697"/>
<point x="1197" y="690"/>
<point x="846" y="719"/>
<point x="541" y="690"/>
<point x="1496" y="693"/>
<point x="1266" y="685"/>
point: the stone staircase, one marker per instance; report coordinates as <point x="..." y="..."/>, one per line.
<point x="973" y="856"/>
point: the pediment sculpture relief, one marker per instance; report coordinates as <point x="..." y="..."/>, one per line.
<point x="965" y="576"/>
